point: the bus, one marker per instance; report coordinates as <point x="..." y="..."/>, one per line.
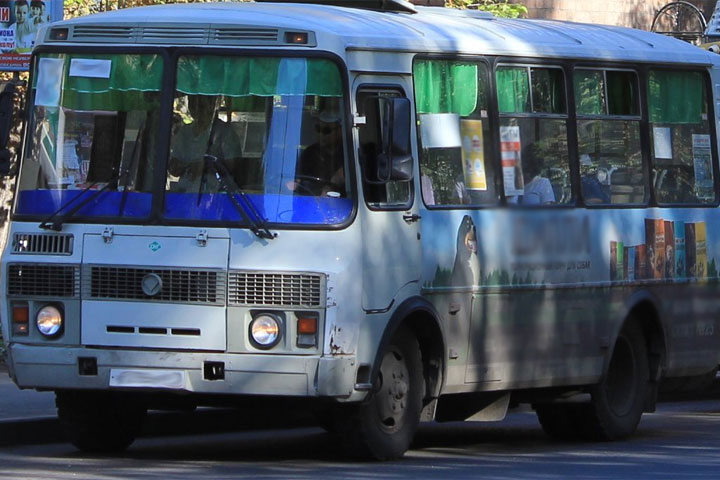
<point x="383" y="213"/>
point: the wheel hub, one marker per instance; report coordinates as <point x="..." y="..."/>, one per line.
<point x="392" y="395"/>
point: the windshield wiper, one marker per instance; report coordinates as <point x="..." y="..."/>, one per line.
<point x="239" y="199"/>
<point x="57" y="223"/>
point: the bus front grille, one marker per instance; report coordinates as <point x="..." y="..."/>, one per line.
<point x="194" y="286"/>
<point x="43" y="280"/>
<point x="304" y="290"/>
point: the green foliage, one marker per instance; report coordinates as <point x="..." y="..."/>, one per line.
<point x="499" y="8"/>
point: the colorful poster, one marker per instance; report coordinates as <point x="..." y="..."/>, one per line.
<point x="20" y="21"/>
<point x="473" y="155"/>
<point x="511" y="162"/>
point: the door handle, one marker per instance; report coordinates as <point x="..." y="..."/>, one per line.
<point x="411" y="218"/>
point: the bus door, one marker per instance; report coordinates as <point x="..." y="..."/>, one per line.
<point x="391" y="222"/>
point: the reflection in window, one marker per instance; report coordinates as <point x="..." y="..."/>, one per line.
<point x="274" y="126"/>
<point x="535" y="157"/>
<point x="680" y="132"/>
<point x="452" y="107"/>
<point x="92" y="134"/>
<point x="611" y="167"/>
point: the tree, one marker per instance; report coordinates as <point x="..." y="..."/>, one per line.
<point x="499" y="8"/>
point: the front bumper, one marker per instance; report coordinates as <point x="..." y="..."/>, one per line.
<point x="50" y="367"/>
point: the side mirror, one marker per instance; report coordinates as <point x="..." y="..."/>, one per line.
<point x="394" y="157"/>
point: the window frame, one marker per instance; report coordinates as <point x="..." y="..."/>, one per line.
<point x="565" y="66"/>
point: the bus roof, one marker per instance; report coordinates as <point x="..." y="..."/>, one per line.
<point x="432" y="29"/>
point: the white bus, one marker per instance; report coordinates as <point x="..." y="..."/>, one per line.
<point x="391" y="214"/>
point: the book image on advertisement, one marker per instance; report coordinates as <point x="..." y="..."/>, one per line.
<point x="655" y="251"/>
<point x="640" y="262"/>
<point x="613" y="261"/>
<point x="619" y="260"/>
<point x="700" y="250"/>
<point x="630" y="261"/>
<point x="690" y="247"/>
<point x="679" y="230"/>
<point x="669" y="250"/>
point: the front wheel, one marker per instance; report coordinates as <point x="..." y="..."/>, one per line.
<point x="99" y="422"/>
<point x="383" y="426"/>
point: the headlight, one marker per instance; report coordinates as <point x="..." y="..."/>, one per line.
<point x="49" y="321"/>
<point x="265" y="330"/>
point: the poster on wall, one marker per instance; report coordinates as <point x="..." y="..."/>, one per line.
<point x="20" y="21"/>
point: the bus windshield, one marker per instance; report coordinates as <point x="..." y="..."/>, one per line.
<point x="269" y="129"/>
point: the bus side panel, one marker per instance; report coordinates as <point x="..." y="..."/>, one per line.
<point x="534" y="298"/>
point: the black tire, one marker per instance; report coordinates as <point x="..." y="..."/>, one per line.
<point x="619" y="399"/>
<point x="382" y="427"/>
<point x="99" y="422"/>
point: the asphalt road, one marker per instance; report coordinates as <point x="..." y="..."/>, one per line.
<point x="680" y="441"/>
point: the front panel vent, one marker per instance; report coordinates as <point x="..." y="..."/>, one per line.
<point x="206" y="287"/>
<point x="304" y="290"/>
<point x="179" y="35"/>
<point x="43" y="280"/>
<point x="244" y="36"/>
<point x="102" y="33"/>
<point x="43" y="243"/>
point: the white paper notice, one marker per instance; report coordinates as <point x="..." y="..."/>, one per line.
<point x="662" y="137"/>
<point x="49" y="83"/>
<point x="90" y="68"/>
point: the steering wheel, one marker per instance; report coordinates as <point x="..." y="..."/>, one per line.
<point x="314" y="182"/>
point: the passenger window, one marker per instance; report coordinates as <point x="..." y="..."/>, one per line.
<point x="451" y="100"/>
<point x="680" y="132"/>
<point x="533" y="135"/>
<point x="608" y="129"/>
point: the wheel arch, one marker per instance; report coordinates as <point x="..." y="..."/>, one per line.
<point x="420" y="317"/>
<point x="643" y="309"/>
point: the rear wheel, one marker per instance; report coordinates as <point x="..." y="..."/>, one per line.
<point x="100" y="422"/>
<point x="617" y="401"/>
<point x="383" y="426"/>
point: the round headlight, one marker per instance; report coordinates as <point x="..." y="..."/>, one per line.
<point x="265" y="331"/>
<point x="49" y="321"/>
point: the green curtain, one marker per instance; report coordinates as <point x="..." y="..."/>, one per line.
<point x="257" y="76"/>
<point x="443" y="86"/>
<point x="676" y="97"/>
<point x="622" y="93"/>
<point x="134" y="84"/>
<point x="513" y="89"/>
<point x="589" y="92"/>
